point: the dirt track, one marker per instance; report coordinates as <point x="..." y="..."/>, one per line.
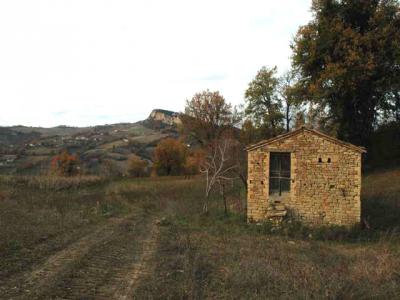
<point x="106" y="264"/>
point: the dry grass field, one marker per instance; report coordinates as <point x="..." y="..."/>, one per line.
<point x="216" y="257"/>
<point x="146" y="239"/>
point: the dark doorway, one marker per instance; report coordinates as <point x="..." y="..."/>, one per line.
<point x="279" y="173"/>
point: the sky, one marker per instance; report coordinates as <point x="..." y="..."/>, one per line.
<point x="92" y="62"/>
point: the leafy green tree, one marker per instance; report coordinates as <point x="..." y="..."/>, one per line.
<point x="348" y="58"/>
<point x="290" y="103"/>
<point x="391" y="108"/>
<point x="263" y="105"/>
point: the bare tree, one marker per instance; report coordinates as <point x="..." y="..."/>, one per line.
<point x="218" y="168"/>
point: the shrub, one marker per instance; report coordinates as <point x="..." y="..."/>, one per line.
<point x="192" y="165"/>
<point x="137" y="166"/>
<point x="170" y="157"/>
<point x="65" y="164"/>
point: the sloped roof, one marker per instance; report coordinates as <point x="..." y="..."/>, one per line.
<point x="303" y="129"/>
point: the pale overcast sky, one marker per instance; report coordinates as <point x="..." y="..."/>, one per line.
<point x="89" y="62"/>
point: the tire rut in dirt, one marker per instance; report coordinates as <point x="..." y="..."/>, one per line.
<point x="142" y="268"/>
<point x="101" y="271"/>
<point x="29" y="284"/>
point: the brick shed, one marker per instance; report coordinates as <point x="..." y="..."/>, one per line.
<point x="307" y="174"/>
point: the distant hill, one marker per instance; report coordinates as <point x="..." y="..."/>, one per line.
<point x="9" y="136"/>
<point x="103" y="149"/>
<point x="59" y="130"/>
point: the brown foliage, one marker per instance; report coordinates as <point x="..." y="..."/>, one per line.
<point x="137" y="166"/>
<point x="65" y="164"/>
<point x="207" y="116"/>
<point x="170" y="157"/>
<point x="193" y="162"/>
<point x="348" y="57"/>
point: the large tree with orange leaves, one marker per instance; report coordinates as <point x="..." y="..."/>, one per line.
<point x="348" y="58"/>
<point x="207" y="117"/>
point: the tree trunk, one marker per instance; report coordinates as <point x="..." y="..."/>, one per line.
<point x="205" y="205"/>
<point x="287" y="117"/>
<point x="224" y="199"/>
<point x="397" y="107"/>
<point x="243" y="179"/>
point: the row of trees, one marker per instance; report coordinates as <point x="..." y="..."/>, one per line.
<point x="171" y="157"/>
<point x="174" y="157"/>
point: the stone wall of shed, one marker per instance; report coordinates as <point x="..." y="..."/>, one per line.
<point x="257" y="195"/>
<point x="321" y="192"/>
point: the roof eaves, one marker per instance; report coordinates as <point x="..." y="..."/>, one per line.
<point x="335" y="140"/>
<point x="302" y="129"/>
<point x="274" y="139"/>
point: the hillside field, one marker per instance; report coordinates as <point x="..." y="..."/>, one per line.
<point x="88" y="238"/>
<point x="101" y="150"/>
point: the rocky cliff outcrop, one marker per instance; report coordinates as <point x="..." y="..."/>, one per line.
<point x="165" y="116"/>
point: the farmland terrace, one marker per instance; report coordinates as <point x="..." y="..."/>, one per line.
<point x="29" y="150"/>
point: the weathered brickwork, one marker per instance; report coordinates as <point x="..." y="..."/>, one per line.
<point x="325" y="178"/>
